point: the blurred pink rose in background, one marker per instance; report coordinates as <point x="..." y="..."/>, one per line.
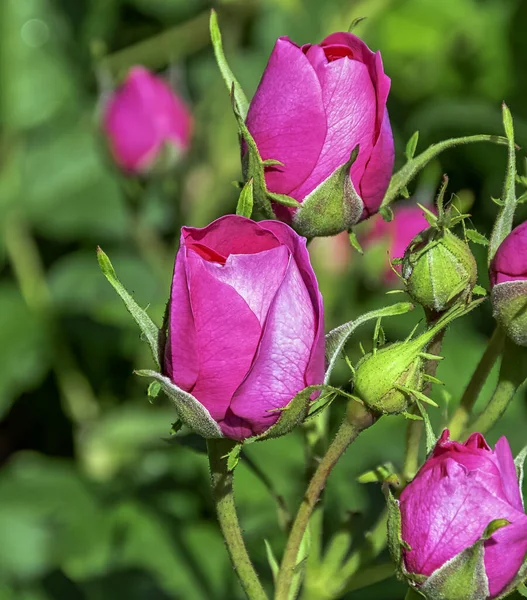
<point x="146" y="122"/>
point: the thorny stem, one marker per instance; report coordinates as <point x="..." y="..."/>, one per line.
<point x="513" y="372"/>
<point x="223" y="496"/>
<point x="357" y="420"/>
<point x="461" y="416"/>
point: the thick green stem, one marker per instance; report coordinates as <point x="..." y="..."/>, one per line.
<point x="461" y="415"/>
<point x="513" y="372"/>
<point x="223" y="496"/>
<point x="414" y="429"/>
<point x="357" y="420"/>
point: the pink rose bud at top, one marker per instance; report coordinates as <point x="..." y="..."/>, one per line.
<point x="146" y="123"/>
<point x="407" y="222"/>
<point x="508" y="280"/>
<point x="246" y="325"/>
<point x="457" y="493"/>
<point x="313" y="106"/>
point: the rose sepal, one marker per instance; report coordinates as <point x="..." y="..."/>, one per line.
<point x="332" y="207"/>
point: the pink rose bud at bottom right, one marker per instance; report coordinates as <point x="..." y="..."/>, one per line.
<point x="446" y="508"/>
<point x="508" y="280"/>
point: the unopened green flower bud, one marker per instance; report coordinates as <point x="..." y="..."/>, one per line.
<point x="380" y="373"/>
<point x="439" y="269"/>
<point x="386" y="379"/>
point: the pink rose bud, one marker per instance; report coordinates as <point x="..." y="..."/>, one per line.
<point x="447" y="508"/>
<point x="146" y="123"/>
<point x="508" y="280"/>
<point x="407" y="222"/>
<point x="246" y="325"/>
<point x="313" y="106"/>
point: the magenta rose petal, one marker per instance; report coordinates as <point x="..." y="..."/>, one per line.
<point x="255" y="277"/>
<point x="505" y="553"/>
<point x="278" y="372"/>
<point x="227" y="335"/>
<point x="349" y="117"/>
<point x="378" y="171"/>
<point x="232" y="234"/>
<point x="450" y="512"/>
<point x="286" y="117"/>
<point x="509" y="476"/>
<point x="181" y="356"/>
<point x="297" y="245"/>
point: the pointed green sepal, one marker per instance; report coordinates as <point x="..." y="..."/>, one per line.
<point x="332" y="207"/>
<point x="411" y="146"/>
<point x="225" y="70"/>
<point x="154" y="336"/>
<point x="193" y="414"/>
<point x="244" y="207"/>
<point x="291" y="415"/>
<point x="504" y="220"/>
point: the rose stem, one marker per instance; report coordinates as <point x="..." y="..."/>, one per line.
<point x="223" y="496"/>
<point x="461" y="415"/>
<point x="357" y="419"/>
<point x="513" y="372"/>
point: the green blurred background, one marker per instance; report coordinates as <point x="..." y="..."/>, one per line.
<point x="95" y="503"/>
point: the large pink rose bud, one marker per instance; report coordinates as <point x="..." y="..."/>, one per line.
<point x="508" y="279"/>
<point x="146" y="123"/>
<point x="245" y="331"/>
<point x="463" y="525"/>
<point x="397" y="234"/>
<point x="313" y="106"/>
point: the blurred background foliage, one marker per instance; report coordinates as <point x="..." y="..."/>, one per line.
<point x="95" y="503"/>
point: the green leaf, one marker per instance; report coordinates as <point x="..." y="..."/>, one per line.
<point x="479" y="290"/>
<point x="411" y="146"/>
<point x="283" y="199"/>
<point x="153" y="389"/>
<point x="522" y="590"/>
<point x="355" y="242"/>
<point x="476" y="237"/>
<point x="402" y="178"/>
<point x="301" y="564"/>
<point x="504" y="220"/>
<point x="148" y="327"/>
<point x="386" y="213"/>
<point x="337" y="338"/>
<point x="233" y="458"/>
<point x="332" y="207"/>
<point x="355" y="22"/>
<point x="245" y="201"/>
<point x="225" y="70"/>
<point x="193" y="414"/>
<point x="494" y="526"/>
<point x="431" y="438"/>
<point x="271" y="559"/>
